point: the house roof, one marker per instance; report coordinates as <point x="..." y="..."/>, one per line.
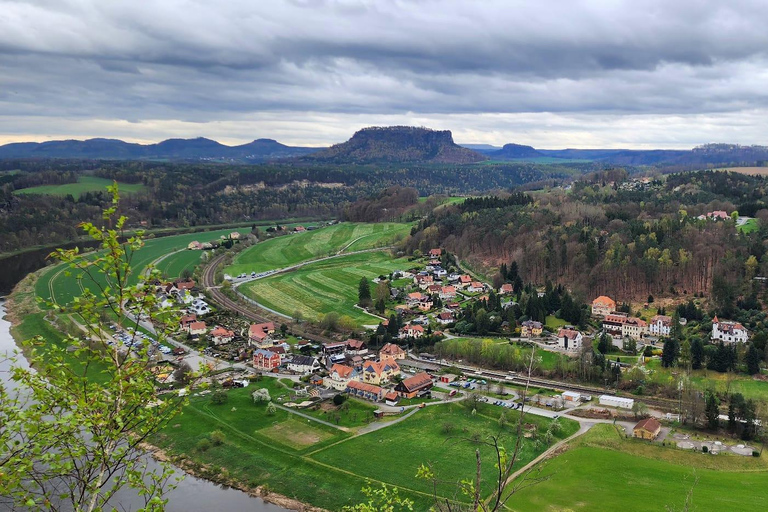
<point x="448" y="289"/>
<point x="196" y="326"/>
<point x="267" y="354"/>
<point x="636" y="321"/>
<point x="604" y="300"/>
<point x="378" y="367"/>
<point x="465" y="279"/>
<point x="416" y="382"/>
<point x="302" y="360"/>
<point x="391" y="349"/>
<point x="506" y="287"/>
<point x="533" y="324"/>
<point x="342" y="370"/>
<point x="390" y="396"/>
<point x="571" y="334"/>
<point x="355" y="344"/>
<point x="477" y="284"/>
<point x="184" y="285"/>
<point x="364" y="386"/>
<point x="219" y="331"/>
<point x="617" y="318"/>
<point x="277" y="350"/>
<point x="416" y="328"/>
<point x="186" y="319"/>
<point x="445" y="316"/>
<point x="261" y="331"/>
<point x="649" y="424"/>
<point x="663" y="319"/>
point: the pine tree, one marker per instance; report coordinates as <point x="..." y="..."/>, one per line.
<point x="712" y="411"/>
<point x="364" y="292"/>
<point x="753" y="359"/>
<point x="697" y="354"/>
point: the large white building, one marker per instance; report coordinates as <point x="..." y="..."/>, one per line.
<point x="569" y="339"/>
<point x="661" y="325"/>
<point x="729" y="332"/>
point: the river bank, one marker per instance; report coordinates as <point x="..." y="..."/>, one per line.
<point x="193" y="492"/>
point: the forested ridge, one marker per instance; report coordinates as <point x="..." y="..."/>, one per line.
<point x="614" y="235"/>
<point x="195" y="194"/>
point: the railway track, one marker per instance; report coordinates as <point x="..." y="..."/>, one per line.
<point x="222" y="300"/>
<point x="661" y="403"/>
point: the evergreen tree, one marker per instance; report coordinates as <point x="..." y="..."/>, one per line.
<point x="669" y="356"/>
<point x="712" y="411"/>
<point x="697" y="353"/>
<point x="605" y="343"/>
<point x="364" y="292"/>
<point x="753" y="360"/>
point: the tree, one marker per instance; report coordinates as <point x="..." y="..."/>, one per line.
<point x="697" y="354"/>
<point x="712" y="411"/>
<point x="482" y="322"/>
<point x="669" y="354"/>
<point x="364" y="293"/>
<point x="752" y="360"/>
<point x="71" y="428"/>
<point x="639" y="409"/>
<point x="382" y="291"/>
<point x="298" y="316"/>
<point x="271" y="409"/>
<point x="339" y="399"/>
<point x="219" y="397"/>
<point x="261" y="395"/>
<point x="283" y="329"/>
<point x="604" y="343"/>
<point x="384" y="499"/>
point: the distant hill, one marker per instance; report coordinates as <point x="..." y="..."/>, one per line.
<point x="397" y="144"/>
<point x="514" y="151"/>
<point x="173" y="149"/>
<point x="481" y="148"/>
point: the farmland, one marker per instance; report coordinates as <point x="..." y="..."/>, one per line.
<point x="289" y="250"/>
<point x="327" y="467"/>
<point x="84" y="184"/>
<point x="61" y="284"/>
<point x="603" y="471"/>
<point x="324" y="286"/>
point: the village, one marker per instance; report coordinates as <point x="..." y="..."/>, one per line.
<point x="396" y="376"/>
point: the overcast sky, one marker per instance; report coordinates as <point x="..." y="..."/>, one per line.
<point x="552" y="74"/>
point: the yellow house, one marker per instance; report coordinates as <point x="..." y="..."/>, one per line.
<point x="377" y="372"/>
<point x="647" y="429"/>
<point x="531" y="328"/>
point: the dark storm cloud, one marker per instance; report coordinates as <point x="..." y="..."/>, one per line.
<point x="227" y="62"/>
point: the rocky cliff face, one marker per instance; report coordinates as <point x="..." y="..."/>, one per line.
<point x="398" y="144"/>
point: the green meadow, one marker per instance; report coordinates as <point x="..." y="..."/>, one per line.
<point x="285" y="251"/>
<point x="84" y="184"/>
<point x="324" y="286"/>
<point x="604" y="471"/>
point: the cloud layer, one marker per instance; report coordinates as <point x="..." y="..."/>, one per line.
<point x="551" y="74"/>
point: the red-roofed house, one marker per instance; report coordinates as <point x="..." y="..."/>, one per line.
<point x="435" y="253"/>
<point x="475" y="287"/>
<point x="464" y="281"/>
<point x="265" y="360"/>
<point x="569" y="339"/>
<point x="376" y="372"/>
<point x="412" y="386"/>
<point x="186" y="320"/>
<point x="197" y="328"/>
<point x="506" y="289"/>
<point x="258" y="334"/>
<point x="364" y="390"/>
<point x="447" y="292"/>
<point x="412" y="331"/>
<point x="340" y="376"/>
<point x="603" y="306"/>
<point x="220" y="335"/>
<point x="444" y="318"/>
<point x="390" y="350"/>
<point x="729" y="332"/>
<point x="647" y="429"/>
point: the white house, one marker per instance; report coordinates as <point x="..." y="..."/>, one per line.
<point x="729" y="332"/>
<point x="569" y="339"/>
<point x="660" y="325"/>
<point x="340" y="376"/>
<point x="303" y="364"/>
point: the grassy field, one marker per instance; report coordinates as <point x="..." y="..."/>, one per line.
<point x="175" y="264"/>
<point x="749" y="226"/>
<point x="353" y="413"/>
<point x="323" y="287"/>
<point x="394" y="454"/>
<point x="84" y="184"/>
<point x="61" y="284"/>
<point x="288" y="250"/>
<point x="554" y="323"/>
<point x="325" y="466"/>
<point x="603" y="471"/>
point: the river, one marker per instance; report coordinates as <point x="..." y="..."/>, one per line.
<point x="191" y="495"/>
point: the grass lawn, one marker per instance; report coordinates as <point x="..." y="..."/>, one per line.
<point x="394" y="454"/>
<point x="84" y="184"/>
<point x="748" y="227"/>
<point x="61" y="284"/>
<point x="554" y="323"/>
<point x="353" y="413"/>
<point x="604" y="471"/>
<point x="288" y="250"/>
<point x="175" y="264"/>
<point x="323" y="287"/>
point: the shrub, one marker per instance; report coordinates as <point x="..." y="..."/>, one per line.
<point x="755" y="453"/>
<point x="203" y="445"/>
<point x="704" y="449"/>
<point x="217" y="437"/>
<point x="219" y="397"/>
<point x="339" y="399"/>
